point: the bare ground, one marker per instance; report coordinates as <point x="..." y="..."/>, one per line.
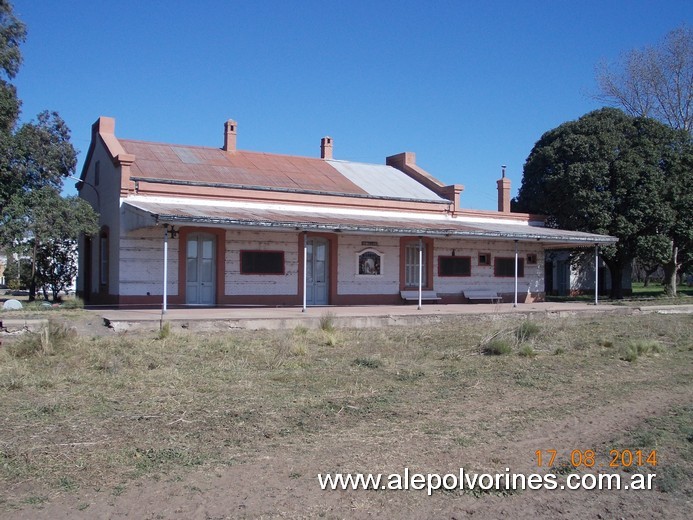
<point x="354" y="401"/>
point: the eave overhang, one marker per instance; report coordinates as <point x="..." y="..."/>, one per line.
<point x="386" y="223"/>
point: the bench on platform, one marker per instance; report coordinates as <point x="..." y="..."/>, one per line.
<point x="482" y="294"/>
<point x="413" y="296"/>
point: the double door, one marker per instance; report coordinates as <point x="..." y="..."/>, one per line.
<point x="200" y="269"/>
<point x="317" y="271"/>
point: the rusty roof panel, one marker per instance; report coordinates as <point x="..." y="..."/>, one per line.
<point x="201" y="165"/>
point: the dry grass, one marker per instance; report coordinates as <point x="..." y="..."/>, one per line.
<point x="100" y="412"/>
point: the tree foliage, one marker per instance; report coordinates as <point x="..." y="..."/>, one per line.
<point x="12" y="35"/>
<point x="48" y="227"/>
<point x="39" y="154"/>
<point x="655" y="81"/>
<point x="613" y="174"/>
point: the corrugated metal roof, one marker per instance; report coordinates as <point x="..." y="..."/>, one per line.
<point x="382" y="180"/>
<point x="159" y="162"/>
<point x="328" y="221"/>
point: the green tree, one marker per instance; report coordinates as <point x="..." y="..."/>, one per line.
<point x="609" y="173"/>
<point x="49" y="226"/>
<point x="12" y="35"/>
<point x="39" y="154"/>
<point x="657" y="81"/>
<point x="679" y="196"/>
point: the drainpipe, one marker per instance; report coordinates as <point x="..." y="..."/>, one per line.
<point x="305" y="269"/>
<point x="596" y="274"/>
<point x="516" y="262"/>
<point x="420" y="269"/>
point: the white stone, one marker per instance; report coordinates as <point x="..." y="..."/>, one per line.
<point x="12" y="305"/>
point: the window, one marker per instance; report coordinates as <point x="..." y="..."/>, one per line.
<point x="103" y="257"/>
<point x="262" y="262"/>
<point x="369" y="263"/>
<point x="505" y="267"/>
<point x="97" y="173"/>
<point x="484" y="258"/>
<point x="454" y="266"/>
<point x="531" y="258"/>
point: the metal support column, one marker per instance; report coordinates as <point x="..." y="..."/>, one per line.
<point x="596" y="274"/>
<point x="305" y="270"/>
<point x="516" y="266"/>
<point x="420" y="270"/>
<point x="165" y="297"/>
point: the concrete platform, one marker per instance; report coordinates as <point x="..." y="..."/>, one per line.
<point x="255" y="318"/>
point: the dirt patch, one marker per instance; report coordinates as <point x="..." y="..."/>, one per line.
<point x="239" y="426"/>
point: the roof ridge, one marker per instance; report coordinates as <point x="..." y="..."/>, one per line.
<point x="203" y="147"/>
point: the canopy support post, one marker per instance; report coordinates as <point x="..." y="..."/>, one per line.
<point x="516" y="266"/>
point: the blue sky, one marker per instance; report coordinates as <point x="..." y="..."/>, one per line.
<point x="467" y="85"/>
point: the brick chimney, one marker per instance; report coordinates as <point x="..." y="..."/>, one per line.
<point x="503" y="193"/>
<point x="230" y="136"/>
<point x="326" y="148"/>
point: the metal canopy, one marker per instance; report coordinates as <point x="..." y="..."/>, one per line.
<point x="144" y="213"/>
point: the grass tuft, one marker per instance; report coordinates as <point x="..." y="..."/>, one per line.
<point x="48" y="341"/>
<point x="636" y="348"/>
<point x="327" y="322"/>
<point x="368" y="362"/>
<point x="164" y="330"/>
<point x="527" y="351"/>
<point x="527" y="330"/>
<point x="497" y="347"/>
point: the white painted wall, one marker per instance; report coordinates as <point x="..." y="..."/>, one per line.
<point x="482" y="277"/>
<point x="350" y="282"/>
<point x="265" y="284"/>
<point x="142" y="263"/>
